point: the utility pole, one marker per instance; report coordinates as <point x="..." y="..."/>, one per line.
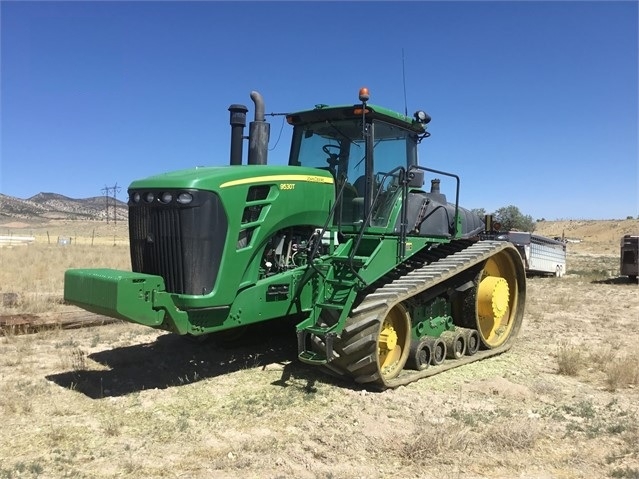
<point x="108" y="191"/>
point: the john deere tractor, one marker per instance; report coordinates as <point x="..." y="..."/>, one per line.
<point x="386" y="280"/>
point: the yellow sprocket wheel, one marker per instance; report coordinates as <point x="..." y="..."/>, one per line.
<point x="393" y="342"/>
<point x="499" y="297"/>
<point x="495" y="306"/>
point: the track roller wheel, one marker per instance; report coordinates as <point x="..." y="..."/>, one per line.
<point x="495" y="306"/>
<point x="472" y="340"/>
<point x="438" y="349"/>
<point x="455" y="344"/>
<point x="420" y="355"/>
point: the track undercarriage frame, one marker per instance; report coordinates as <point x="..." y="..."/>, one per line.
<point x="486" y="283"/>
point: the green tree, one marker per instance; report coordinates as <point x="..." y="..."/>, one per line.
<point x="481" y="212"/>
<point x="512" y="219"/>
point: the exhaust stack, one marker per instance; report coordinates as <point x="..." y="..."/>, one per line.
<point x="259" y="131"/>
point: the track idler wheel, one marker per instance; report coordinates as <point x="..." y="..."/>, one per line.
<point x="371" y="349"/>
<point x="495" y="305"/>
<point x="393" y="342"/>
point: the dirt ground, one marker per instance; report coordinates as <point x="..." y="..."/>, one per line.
<point x="126" y="401"/>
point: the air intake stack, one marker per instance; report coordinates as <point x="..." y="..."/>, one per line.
<point x="238" y="122"/>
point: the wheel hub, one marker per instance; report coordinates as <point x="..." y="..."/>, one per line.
<point x="493" y="297"/>
<point x="388" y="338"/>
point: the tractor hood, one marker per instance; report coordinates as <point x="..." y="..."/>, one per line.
<point x="216" y="178"/>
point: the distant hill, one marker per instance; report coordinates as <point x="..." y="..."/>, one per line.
<point x="600" y="236"/>
<point x="47" y="206"/>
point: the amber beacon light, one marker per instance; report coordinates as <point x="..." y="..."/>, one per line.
<point x="363" y="94"/>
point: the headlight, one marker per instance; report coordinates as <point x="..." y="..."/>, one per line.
<point x="184" y="198"/>
<point x="149" y="197"/>
<point x="166" y="197"/>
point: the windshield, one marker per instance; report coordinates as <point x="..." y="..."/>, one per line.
<point x="337" y="147"/>
<point x="340" y="147"/>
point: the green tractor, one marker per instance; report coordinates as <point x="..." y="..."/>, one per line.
<point x="387" y="281"/>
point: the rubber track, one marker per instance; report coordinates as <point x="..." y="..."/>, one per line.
<point x="357" y="345"/>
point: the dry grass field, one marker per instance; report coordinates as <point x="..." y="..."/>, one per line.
<point x="32" y="276"/>
<point x="126" y="401"/>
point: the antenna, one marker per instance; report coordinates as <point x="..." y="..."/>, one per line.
<point x="404" y="81"/>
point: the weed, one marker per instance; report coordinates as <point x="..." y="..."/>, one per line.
<point x="570" y="359"/>
<point x="182" y="423"/>
<point x="130" y="466"/>
<point x="474" y="418"/>
<point x="513" y="435"/>
<point x="58" y="434"/>
<point x="78" y="360"/>
<point x="69" y="342"/>
<point x="8" y="335"/>
<point x="111" y="427"/>
<point x="602" y="356"/>
<point x="630" y="434"/>
<point x="467" y="418"/>
<point x="625" y="473"/>
<point x="583" y="409"/>
<point x="13" y="401"/>
<point x="622" y="372"/>
<point x="545" y="387"/>
<point x="34" y="469"/>
<point x="433" y="440"/>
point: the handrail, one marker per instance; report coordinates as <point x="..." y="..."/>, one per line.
<point x="366" y="221"/>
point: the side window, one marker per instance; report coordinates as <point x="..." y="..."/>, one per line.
<point x="393" y="147"/>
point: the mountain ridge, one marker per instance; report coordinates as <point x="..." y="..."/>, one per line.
<point x="47" y="206"/>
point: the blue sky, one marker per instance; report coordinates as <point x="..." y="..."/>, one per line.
<point x="534" y="104"/>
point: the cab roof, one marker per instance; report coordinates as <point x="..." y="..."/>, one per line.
<point x="344" y="112"/>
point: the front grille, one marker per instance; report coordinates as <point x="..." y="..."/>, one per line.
<point x="183" y="243"/>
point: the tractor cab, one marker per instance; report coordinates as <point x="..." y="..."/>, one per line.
<point x="366" y="148"/>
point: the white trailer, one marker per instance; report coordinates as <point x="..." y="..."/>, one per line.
<point x="541" y="255"/>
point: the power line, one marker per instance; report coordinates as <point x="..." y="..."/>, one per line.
<point x="111" y="201"/>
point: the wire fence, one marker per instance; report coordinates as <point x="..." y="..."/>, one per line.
<point x="93" y="237"/>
